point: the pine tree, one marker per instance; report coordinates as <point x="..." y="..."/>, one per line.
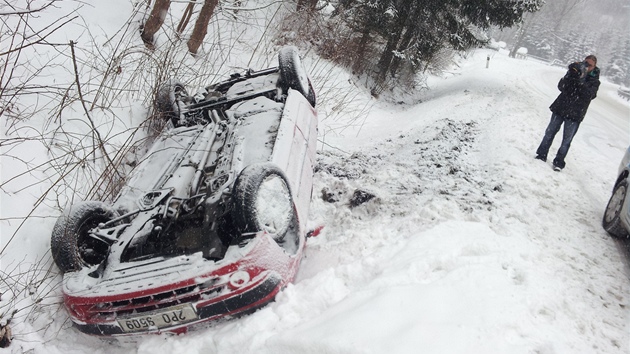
<point x="415" y="31"/>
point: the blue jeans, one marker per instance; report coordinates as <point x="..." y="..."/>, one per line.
<point x="570" y="128"/>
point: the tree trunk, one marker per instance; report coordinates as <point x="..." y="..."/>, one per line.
<point x="201" y="26"/>
<point x="358" y="66"/>
<point x="155" y="21"/>
<point x="385" y="62"/>
<point x="185" y="18"/>
<point x="521" y="35"/>
<point x="404" y="45"/>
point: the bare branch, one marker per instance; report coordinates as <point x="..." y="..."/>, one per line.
<point x="101" y="144"/>
<point x="40" y="40"/>
<point x="28" y="11"/>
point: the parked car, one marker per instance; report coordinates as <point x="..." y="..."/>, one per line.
<point x="616" y="219"/>
<point x="211" y="222"/>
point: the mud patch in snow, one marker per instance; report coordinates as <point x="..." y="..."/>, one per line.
<point x="413" y="171"/>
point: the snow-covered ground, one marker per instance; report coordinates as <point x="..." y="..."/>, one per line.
<point x="468" y="246"/>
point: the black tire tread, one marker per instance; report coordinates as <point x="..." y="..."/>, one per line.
<point x="166" y="101"/>
<point x="615" y="227"/>
<point x="77" y="219"/>
<point x="290" y="67"/>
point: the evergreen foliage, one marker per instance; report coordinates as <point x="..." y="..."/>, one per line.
<point x="401" y="37"/>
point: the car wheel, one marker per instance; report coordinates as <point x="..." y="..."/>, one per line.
<point x="72" y="246"/>
<point x="168" y="99"/>
<point x="262" y="201"/>
<point x="612" y="221"/>
<point x="293" y="75"/>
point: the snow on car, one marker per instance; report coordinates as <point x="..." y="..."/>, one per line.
<point x="211" y="222"/>
<point x="616" y="219"/>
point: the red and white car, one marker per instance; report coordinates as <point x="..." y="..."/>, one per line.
<point x="211" y="222"/>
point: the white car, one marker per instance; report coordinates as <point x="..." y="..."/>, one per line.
<point x="212" y="221"/>
<point x="617" y="214"/>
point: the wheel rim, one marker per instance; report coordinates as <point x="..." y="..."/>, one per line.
<point x="180" y="93"/>
<point x="91" y="251"/>
<point x="273" y="205"/>
<point x="614" y="205"/>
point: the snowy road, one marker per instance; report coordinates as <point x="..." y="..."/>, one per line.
<point x="607" y="123"/>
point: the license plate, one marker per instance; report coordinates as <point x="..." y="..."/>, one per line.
<point x="168" y="317"/>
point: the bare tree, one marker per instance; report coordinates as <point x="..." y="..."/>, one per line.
<point x="17" y="72"/>
<point x="201" y="26"/>
<point x="155" y="21"/>
<point x="185" y="17"/>
<point x="521" y="33"/>
<point x="26" y="29"/>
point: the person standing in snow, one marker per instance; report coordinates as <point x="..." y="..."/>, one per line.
<point x="577" y="88"/>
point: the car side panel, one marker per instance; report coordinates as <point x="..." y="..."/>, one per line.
<point x="306" y="181"/>
<point x="293" y="151"/>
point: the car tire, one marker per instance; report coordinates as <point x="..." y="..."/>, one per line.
<point x="71" y="245"/>
<point x="612" y="221"/>
<point x="168" y="100"/>
<point x="262" y="201"/>
<point x="293" y="75"/>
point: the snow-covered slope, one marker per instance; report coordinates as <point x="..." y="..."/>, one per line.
<point x="468" y="245"/>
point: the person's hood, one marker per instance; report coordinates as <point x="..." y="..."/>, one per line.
<point x="594" y="73"/>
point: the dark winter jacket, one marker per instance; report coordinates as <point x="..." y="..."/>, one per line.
<point x="575" y="94"/>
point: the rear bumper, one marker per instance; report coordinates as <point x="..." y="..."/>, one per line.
<point x="239" y="304"/>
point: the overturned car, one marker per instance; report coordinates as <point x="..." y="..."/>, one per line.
<point x="211" y="223"/>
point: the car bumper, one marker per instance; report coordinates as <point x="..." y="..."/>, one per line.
<point x="255" y="297"/>
<point x="135" y="297"/>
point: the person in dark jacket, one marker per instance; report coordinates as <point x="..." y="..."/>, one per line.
<point x="577" y="88"/>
